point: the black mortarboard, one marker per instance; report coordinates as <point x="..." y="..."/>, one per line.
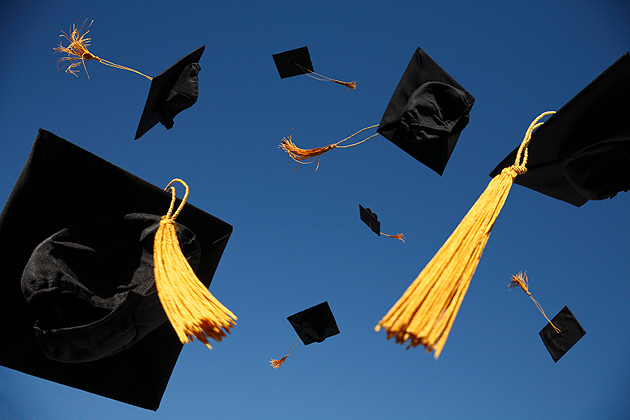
<point x="64" y="190"/>
<point x="298" y="61"/>
<point x="582" y="152"/>
<point x="315" y="324"/>
<point x="370" y="219"/>
<point x="427" y="112"/>
<point x="570" y="333"/>
<point x="293" y="62"/>
<point x="171" y="92"/>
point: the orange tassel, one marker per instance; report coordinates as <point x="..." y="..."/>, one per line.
<point x="78" y="52"/>
<point x="520" y="280"/>
<point x="277" y="363"/>
<point x="301" y="155"/>
<point x="399" y="236"/>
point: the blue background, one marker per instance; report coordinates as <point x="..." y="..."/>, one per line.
<point x="298" y="239"/>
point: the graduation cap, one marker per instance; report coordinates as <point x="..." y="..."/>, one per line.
<point x="558" y="343"/>
<point x="312" y="325"/>
<point x="562" y="332"/>
<point x="427" y="112"/>
<point x="104" y="333"/>
<point x="171" y="92"/>
<point x="298" y="61"/>
<point x="425" y="116"/>
<point x="371" y="219"/>
<point x="583" y="151"/>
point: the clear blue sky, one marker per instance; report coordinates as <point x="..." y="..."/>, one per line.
<point x="298" y="240"/>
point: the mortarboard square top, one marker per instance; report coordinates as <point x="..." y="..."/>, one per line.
<point x="66" y="195"/>
<point x="370" y="219"/>
<point x="427" y="112"/>
<point x="315" y="324"/>
<point x="582" y="152"/>
<point x="171" y="92"/>
<point x="288" y="63"/>
<point x="570" y="333"/>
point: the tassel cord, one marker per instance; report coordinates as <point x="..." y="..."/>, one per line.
<point x="277" y="363"/>
<point x="311" y="73"/>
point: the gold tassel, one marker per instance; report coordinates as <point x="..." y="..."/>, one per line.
<point x="301" y="155"/>
<point x="78" y="52"/>
<point x="277" y="363"/>
<point x="425" y="313"/>
<point x="311" y="73"/>
<point x="192" y="310"/>
<point x="520" y="280"/>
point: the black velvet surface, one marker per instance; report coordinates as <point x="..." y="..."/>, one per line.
<point x="91" y="286"/>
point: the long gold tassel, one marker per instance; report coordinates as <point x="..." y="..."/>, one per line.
<point x="192" y="310"/>
<point x="311" y="73"/>
<point x="277" y="363"/>
<point x="520" y="280"/>
<point x="78" y="52"/>
<point x="301" y="155"/>
<point x="425" y="313"/>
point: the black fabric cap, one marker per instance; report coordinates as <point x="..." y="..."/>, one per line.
<point x="570" y="333"/>
<point x="287" y="62"/>
<point x="171" y="92"/>
<point x="370" y="219"/>
<point x="427" y="112"/>
<point x="91" y="286"/>
<point x="315" y="324"/>
<point x="582" y="152"/>
<point x="60" y="185"/>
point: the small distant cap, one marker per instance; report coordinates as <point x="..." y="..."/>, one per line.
<point x="370" y="219"/>
<point x="171" y="92"/>
<point x="570" y="333"/>
<point x="315" y="324"/>
<point x="289" y="62"/>
<point x="427" y="112"/>
<point x="582" y="152"/>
